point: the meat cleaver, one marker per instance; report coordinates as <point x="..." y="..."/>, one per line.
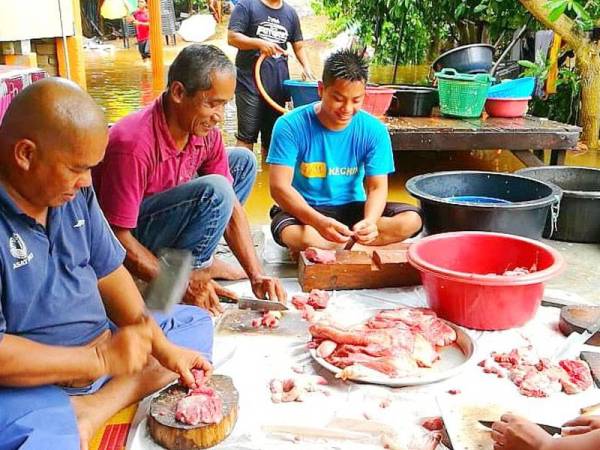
<point x="260" y="305"/>
<point x="550" y="429"/>
<point x="167" y="289"/>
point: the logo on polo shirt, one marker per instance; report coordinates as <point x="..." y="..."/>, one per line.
<point x="18" y="250"/>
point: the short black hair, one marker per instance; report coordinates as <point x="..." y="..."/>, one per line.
<point x="346" y="64"/>
<point x="194" y="66"/>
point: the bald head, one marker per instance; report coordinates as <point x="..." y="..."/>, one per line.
<point x="54" y="113"/>
<point x="51" y="136"/>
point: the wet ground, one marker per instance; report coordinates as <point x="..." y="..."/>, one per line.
<point x="119" y="81"/>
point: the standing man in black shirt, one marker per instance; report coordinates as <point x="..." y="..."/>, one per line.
<point x="263" y="26"/>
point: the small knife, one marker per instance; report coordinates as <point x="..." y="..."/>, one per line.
<point x="260" y="305"/>
<point x="550" y="429"/>
<point x="350" y="243"/>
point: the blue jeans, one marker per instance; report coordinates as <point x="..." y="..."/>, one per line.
<point x="194" y="215"/>
<point x="41" y="418"/>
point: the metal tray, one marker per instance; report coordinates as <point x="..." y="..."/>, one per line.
<point x="453" y="360"/>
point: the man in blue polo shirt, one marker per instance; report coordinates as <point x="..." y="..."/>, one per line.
<point x="322" y="158"/>
<point x="76" y="345"/>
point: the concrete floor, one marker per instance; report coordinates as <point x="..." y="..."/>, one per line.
<point x="581" y="276"/>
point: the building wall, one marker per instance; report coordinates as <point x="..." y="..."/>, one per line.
<point x="33" y="19"/>
<point x="46" y="55"/>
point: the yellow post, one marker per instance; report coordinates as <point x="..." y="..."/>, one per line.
<point x="156" y="46"/>
<point x="75" y="69"/>
<point x="552" y="79"/>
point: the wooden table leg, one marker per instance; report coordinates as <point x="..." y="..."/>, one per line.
<point x="557" y="157"/>
<point x="539" y="154"/>
<point x="528" y="158"/>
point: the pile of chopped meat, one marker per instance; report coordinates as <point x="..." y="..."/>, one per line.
<point x="201" y="405"/>
<point x="394" y="342"/>
<point x="307" y="304"/>
<point x="294" y="389"/>
<point x="269" y="319"/>
<point x="320" y="256"/>
<point x="539" y="377"/>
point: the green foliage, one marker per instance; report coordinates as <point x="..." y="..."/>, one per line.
<point x="582" y="14"/>
<point x="565" y="105"/>
<point x="425" y="25"/>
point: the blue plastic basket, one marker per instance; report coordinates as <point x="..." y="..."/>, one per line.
<point x="302" y="92"/>
<point x="519" y="88"/>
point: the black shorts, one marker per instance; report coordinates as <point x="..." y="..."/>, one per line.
<point x="254" y="116"/>
<point x="348" y="214"/>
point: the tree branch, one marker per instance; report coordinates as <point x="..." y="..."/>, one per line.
<point x="563" y="26"/>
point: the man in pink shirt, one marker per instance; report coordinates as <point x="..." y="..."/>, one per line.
<point x="168" y="181"/>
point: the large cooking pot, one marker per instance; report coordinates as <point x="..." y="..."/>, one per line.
<point x="474" y="58"/>
<point x="412" y="100"/>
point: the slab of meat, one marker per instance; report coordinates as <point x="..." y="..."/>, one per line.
<point x="433" y="423"/>
<point x="579" y="377"/>
<point x="358" y="337"/>
<point x="201" y="405"/>
<point x="317" y="299"/>
<point x="199" y="408"/>
<point x="320" y="256"/>
<point x="538" y="384"/>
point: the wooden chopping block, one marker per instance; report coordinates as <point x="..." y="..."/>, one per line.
<point x="593" y="360"/>
<point x="174" y="435"/>
<point x="359" y="270"/>
<point x="576" y="318"/>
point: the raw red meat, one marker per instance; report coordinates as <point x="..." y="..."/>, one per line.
<point x="269" y="319"/>
<point x="320" y="256"/>
<point x="537" y="377"/>
<point x="433" y="423"/>
<point x="199" y="408"/>
<point x="318" y="299"/>
<point x="579" y="376"/>
<point x="201" y="405"/>
<point x="359" y="337"/>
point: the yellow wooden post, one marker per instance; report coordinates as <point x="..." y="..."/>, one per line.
<point x="552" y="79"/>
<point x="75" y="69"/>
<point x="156" y="46"/>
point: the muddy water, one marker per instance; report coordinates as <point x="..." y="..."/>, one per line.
<point x="119" y="81"/>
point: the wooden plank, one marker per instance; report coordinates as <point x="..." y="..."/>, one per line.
<point x="557" y="157"/>
<point x="528" y="158"/>
<point x="358" y="270"/>
<point x="480" y="140"/>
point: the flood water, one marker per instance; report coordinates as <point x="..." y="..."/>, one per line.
<point x="119" y="81"/>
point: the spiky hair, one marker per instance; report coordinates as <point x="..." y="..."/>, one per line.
<point x="346" y="64"/>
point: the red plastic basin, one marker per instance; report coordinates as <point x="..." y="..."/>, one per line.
<point x="377" y="100"/>
<point x="507" y="107"/>
<point x="456" y="272"/>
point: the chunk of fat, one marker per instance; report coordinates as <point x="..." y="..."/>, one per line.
<point x="326" y="348"/>
<point x="423" y="352"/>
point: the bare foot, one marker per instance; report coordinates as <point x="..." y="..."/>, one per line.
<point x="220" y="270"/>
<point x="89" y="420"/>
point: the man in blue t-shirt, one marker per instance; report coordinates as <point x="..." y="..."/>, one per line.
<point x="255" y="27"/>
<point x="76" y="342"/>
<point x="322" y="157"/>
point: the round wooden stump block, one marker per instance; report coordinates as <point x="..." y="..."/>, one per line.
<point x="174" y="435"/>
<point x="577" y="318"/>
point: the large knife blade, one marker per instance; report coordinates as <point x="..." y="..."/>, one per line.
<point x="550" y="429"/>
<point x="260" y="305"/>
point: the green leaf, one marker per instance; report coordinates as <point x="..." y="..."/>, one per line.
<point x="479" y="8"/>
<point x="557" y="12"/>
<point x="459" y="11"/>
<point x="581" y="12"/>
<point x="528" y="64"/>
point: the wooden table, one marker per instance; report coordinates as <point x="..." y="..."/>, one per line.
<point x="520" y="135"/>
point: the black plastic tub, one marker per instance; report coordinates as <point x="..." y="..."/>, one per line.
<point x="474" y="58"/>
<point x="579" y="215"/>
<point x="412" y="101"/>
<point x="528" y="202"/>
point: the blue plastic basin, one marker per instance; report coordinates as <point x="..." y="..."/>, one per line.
<point x="476" y="199"/>
<point x="302" y="92"/>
